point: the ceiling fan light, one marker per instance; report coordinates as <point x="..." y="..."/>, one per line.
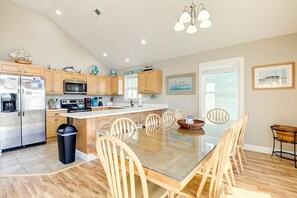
<point x="191" y="29"/>
<point x="179" y="26"/>
<point x="203" y="15"/>
<point x="185" y="17"/>
<point x="205" y="24"/>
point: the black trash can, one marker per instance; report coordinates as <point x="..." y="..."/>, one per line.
<point x="66" y="143"/>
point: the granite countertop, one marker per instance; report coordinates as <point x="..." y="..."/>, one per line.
<point x="125" y="110"/>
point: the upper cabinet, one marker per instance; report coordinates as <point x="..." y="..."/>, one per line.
<point x="20" y="69"/>
<point x="53" y="81"/>
<point x="98" y="85"/>
<point x="150" y="82"/>
<point x="74" y="76"/>
<point x="117" y="85"/>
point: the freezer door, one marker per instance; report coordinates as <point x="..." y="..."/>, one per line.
<point x="33" y="110"/>
<point x="10" y="122"/>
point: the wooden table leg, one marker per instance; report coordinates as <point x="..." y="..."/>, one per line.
<point x="170" y="194"/>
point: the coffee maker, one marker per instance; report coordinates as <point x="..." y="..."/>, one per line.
<point x="8" y="102"/>
<point x="88" y="103"/>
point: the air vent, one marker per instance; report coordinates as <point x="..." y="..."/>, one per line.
<point x="96" y="13"/>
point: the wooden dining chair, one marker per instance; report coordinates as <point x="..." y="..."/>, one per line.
<point x="214" y="171"/>
<point x="240" y="143"/>
<point x="153" y="120"/>
<point x="169" y="119"/>
<point x="123" y="129"/>
<point x="120" y="165"/>
<point x="218" y="116"/>
<point x="179" y="114"/>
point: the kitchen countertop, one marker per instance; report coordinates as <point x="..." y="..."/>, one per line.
<point x="124" y="110"/>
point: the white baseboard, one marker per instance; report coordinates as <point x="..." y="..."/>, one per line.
<point x="86" y="157"/>
<point x="261" y="149"/>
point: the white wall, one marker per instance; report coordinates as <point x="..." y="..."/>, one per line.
<point x="265" y="107"/>
<point x="48" y="43"/>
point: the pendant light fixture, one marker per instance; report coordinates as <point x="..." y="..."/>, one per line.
<point x="191" y="14"/>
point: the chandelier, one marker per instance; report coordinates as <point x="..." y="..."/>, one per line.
<point x="190" y="15"/>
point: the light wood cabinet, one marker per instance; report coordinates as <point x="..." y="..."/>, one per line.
<point x="104" y="85"/>
<point x="20" y="69"/>
<point x="117" y="85"/>
<point x="150" y="82"/>
<point x="53" y="81"/>
<point x="53" y="121"/>
<point x="74" y="76"/>
<point x="93" y="85"/>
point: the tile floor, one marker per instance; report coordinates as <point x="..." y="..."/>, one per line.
<point x="41" y="159"/>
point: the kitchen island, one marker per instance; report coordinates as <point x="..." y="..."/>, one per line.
<point x="88" y="122"/>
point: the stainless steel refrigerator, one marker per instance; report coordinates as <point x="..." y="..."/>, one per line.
<point x="22" y="115"/>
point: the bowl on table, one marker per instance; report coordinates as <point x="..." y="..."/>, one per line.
<point x="198" y="124"/>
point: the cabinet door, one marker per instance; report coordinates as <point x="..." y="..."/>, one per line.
<point x="150" y="82"/>
<point x="47" y="74"/>
<point x="57" y="82"/>
<point x="11" y="68"/>
<point x="32" y="70"/>
<point x="68" y="76"/>
<point x="142" y="82"/>
<point x="80" y="77"/>
<point x="93" y="85"/>
<point x="103" y="85"/>
<point x="61" y="120"/>
<point x="120" y="85"/>
<point x="51" y="127"/>
<point x="114" y="85"/>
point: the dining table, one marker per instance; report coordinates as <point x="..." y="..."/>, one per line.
<point x="172" y="156"/>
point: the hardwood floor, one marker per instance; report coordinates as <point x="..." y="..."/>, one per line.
<point x="273" y="176"/>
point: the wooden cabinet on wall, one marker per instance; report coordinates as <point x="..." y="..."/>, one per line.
<point x="53" y="81"/>
<point x="150" y="82"/>
<point x="20" y="69"/>
<point x="117" y="85"/>
<point x="53" y="121"/>
<point x="98" y="85"/>
<point x="74" y="76"/>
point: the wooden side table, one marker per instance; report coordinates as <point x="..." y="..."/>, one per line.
<point x="284" y="134"/>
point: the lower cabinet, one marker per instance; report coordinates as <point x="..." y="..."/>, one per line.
<point x="53" y="121"/>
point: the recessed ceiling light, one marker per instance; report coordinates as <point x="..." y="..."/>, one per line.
<point x="104" y="54"/>
<point x="143" y="42"/>
<point x="127" y="60"/>
<point x="58" y="12"/>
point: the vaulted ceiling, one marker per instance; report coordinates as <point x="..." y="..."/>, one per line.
<point x="118" y="31"/>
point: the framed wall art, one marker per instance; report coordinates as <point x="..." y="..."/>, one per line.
<point x="274" y="76"/>
<point x="181" y="84"/>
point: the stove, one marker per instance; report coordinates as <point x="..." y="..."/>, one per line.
<point x="75" y="105"/>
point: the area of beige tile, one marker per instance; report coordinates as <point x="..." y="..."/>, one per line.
<point x="42" y="159"/>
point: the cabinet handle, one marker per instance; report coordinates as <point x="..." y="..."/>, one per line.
<point x="25" y="71"/>
<point x="56" y="113"/>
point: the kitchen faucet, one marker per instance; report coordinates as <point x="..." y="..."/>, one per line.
<point x="131" y="103"/>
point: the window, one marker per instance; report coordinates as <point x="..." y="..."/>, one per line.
<point x="131" y="86"/>
<point x="221" y="86"/>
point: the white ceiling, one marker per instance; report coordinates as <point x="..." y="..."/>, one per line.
<point x="123" y="23"/>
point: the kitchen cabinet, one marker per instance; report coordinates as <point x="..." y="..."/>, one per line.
<point x="104" y="85"/>
<point x="53" y="121"/>
<point x="53" y="81"/>
<point x="150" y="82"/>
<point x="74" y="76"/>
<point x="93" y="85"/>
<point x="117" y="85"/>
<point x="20" y="69"/>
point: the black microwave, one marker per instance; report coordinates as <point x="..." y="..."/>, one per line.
<point x="75" y="87"/>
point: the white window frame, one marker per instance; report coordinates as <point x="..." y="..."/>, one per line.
<point x="221" y="64"/>
<point x="126" y="77"/>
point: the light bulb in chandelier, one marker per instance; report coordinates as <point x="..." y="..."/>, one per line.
<point x="191" y="29"/>
<point x="205" y="24"/>
<point x="203" y="15"/>
<point x="185" y="17"/>
<point x="179" y="26"/>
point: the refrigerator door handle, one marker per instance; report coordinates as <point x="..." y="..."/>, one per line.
<point x="19" y="103"/>
<point x="23" y="102"/>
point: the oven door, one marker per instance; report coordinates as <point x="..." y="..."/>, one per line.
<point x="75" y="87"/>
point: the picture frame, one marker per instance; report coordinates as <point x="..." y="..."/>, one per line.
<point x="274" y="76"/>
<point x="181" y="84"/>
